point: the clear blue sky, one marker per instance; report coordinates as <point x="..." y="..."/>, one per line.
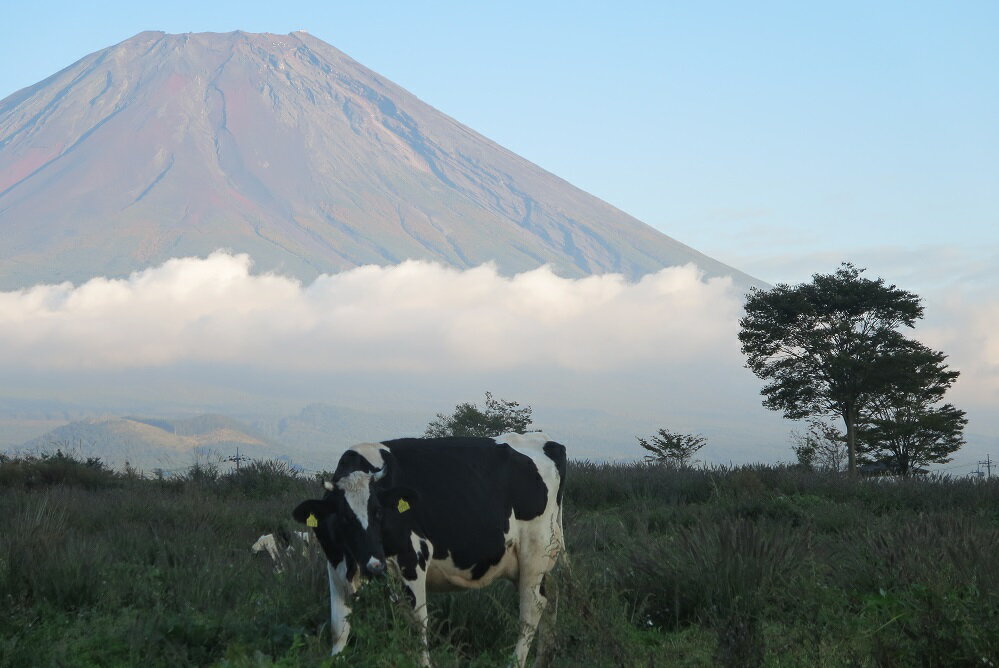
<point x="780" y="137"/>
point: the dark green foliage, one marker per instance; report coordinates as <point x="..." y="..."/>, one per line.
<point x="905" y="429"/>
<point x="689" y="567"/>
<point x="263" y="477"/>
<point x="498" y="417"/>
<point x="672" y="448"/>
<point x="55" y="469"/>
<point x="833" y="347"/>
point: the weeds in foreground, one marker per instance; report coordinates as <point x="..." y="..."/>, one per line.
<point x="748" y="566"/>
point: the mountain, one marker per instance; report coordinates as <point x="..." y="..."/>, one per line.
<point x="283" y="147"/>
<point x="149" y="443"/>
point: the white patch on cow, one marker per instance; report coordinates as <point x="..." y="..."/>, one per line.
<point x="267" y="543"/>
<point x="299" y="545"/>
<point x="372" y="452"/>
<point x="356" y="490"/>
<point x="531" y="440"/>
<point x="341" y="589"/>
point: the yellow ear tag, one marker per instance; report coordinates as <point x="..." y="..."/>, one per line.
<point x="403" y="506"/>
<point x="311" y="521"/>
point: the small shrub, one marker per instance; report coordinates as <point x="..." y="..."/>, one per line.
<point x="262" y="478"/>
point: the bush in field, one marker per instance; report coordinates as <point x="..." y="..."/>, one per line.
<point x="55" y="469"/>
<point x="498" y="417"/>
<point x="671" y="448"/>
<point x="262" y="478"/>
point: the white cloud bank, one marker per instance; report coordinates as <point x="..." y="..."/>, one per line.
<point x="658" y="352"/>
<point x="416" y="316"/>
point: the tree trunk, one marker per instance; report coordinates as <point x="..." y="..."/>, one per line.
<point x="850" y="418"/>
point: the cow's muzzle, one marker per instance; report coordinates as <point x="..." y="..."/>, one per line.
<point x="375" y="567"/>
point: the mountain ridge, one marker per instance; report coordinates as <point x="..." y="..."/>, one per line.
<point x="154" y="442"/>
<point x="283" y="147"/>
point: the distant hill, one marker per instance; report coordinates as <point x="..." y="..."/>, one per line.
<point x="285" y="148"/>
<point x="313" y="438"/>
<point x="155" y="443"/>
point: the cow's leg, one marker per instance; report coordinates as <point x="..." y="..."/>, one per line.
<point x="532" y="606"/>
<point x="340" y="595"/>
<point x="546" y="628"/>
<point x="416" y="591"/>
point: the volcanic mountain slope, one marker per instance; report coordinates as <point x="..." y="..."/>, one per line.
<point x="283" y="147"/>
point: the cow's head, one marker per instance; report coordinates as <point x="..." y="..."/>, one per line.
<point x="359" y="519"/>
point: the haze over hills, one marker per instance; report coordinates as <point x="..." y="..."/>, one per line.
<point x="154" y="443"/>
<point x="283" y="147"/>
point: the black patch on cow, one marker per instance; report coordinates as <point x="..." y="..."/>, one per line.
<point x="556" y="453"/>
<point x="411" y="597"/>
<point x="467" y="489"/>
<point x="424" y="554"/>
<point x="541" y="589"/>
<point x="397" y="528"/>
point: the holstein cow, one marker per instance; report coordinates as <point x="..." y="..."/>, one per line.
<point x="444" y="514"/>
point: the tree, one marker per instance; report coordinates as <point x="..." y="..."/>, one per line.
<point x="672" y="448"/>
<point x="498" y="417"/>
<point x="822" y="447"/>
<point x="830" y="347"/>
<point x="904" y="428"/>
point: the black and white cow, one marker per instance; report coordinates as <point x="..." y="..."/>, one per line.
<point x="444" y="514"/>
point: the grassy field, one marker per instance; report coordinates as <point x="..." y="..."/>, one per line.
<point x="746" y="566"/>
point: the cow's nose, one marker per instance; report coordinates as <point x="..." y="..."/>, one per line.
<point x="376" y="566"/>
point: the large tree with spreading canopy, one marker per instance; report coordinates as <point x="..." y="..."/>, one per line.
<point x="834" y="347"/>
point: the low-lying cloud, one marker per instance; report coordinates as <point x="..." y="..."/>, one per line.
<point x="628" y="357"/>
<point x="416" y="316"/>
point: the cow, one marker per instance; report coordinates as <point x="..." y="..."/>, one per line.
<point x="282" y="545"/>
<point x="443" y="514"/>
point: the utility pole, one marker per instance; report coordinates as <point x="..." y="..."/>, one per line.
<point x="238" y="458"/>
<point x="988" y="465"/>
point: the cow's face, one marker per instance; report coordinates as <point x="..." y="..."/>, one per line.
<point x="358" y="519"/>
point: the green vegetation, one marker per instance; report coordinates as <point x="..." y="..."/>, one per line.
<point x="498" y="417"/>
<point x="832" y="348"/>
<point x="671" y="448"/>
<point x="757" y="565"/>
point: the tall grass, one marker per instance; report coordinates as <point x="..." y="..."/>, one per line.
<point x="728" y="566"/>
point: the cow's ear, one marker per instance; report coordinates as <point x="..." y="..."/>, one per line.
<point x="312" y="511"/>
<point x="400" y="498"/>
